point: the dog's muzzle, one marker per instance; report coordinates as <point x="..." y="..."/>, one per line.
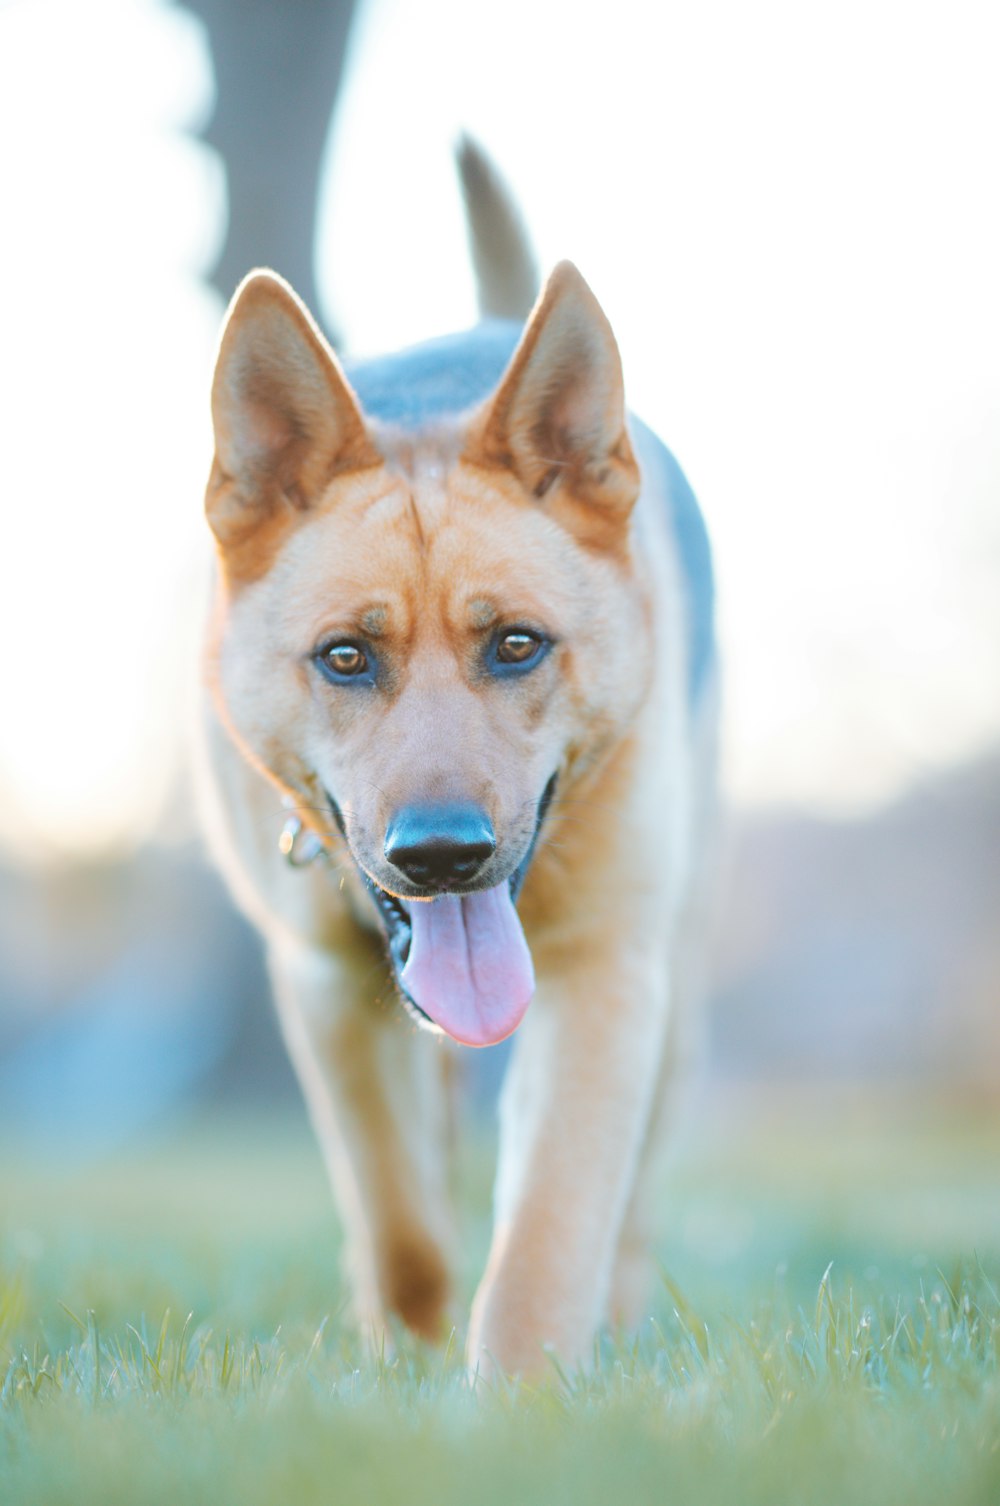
<point x="450" y="851"/>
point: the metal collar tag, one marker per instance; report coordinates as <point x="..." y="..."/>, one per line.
<point x="298" y="845"/>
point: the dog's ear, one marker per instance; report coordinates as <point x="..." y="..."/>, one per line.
<point x="286" y="421"/>
<point x="558" y="416"/>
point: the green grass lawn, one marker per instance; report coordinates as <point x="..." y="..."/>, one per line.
<point x="827" y="1330"/>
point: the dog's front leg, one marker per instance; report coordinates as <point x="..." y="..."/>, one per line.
<point x="573" y="1116"/>
<point x="376" y="1094"/>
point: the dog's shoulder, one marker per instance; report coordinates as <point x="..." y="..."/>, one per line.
<point x="675" y="507"/>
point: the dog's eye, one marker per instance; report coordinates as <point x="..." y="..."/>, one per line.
<point x="344" y="661"/>
<point x="518" y="649"/>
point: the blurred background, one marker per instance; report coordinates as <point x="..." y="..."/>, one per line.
<point x="790" y="214"/>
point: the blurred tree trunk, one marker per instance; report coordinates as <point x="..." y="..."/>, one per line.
<point x="278" y="66"/>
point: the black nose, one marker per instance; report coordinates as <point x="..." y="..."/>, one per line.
<point x="440" y="845"/>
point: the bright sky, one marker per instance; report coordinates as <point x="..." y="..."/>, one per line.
<point x="790" y="214"/>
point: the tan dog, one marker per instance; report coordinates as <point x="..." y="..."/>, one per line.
<point x="463" y="628"/>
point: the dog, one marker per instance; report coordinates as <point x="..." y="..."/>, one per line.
<point x="461" y="648"/>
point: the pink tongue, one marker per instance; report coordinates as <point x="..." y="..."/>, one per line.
<point x="469" y="966"/>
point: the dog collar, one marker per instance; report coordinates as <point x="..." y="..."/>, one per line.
<point x="297" y="844"/>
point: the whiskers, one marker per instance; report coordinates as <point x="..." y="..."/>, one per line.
<point x="581" y="811"/>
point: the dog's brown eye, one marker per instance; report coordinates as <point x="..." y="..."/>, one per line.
<point x="517" y="652"/>
<point x="344" y="661"/>
<point x="518" y="648"/>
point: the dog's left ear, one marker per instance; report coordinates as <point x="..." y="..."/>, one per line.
<point x="558" y="416"/>
<point x="286" y="421"/>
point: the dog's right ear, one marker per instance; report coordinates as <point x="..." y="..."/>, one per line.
<point x="557" y="419"/>
<point x="286" y="421"/>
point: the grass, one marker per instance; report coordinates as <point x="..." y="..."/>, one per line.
<point x="827" y="1330"/>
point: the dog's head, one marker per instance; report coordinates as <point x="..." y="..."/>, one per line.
<point x="419" y="632"/>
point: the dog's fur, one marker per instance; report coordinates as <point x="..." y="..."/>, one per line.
<point x="419" y="507"/>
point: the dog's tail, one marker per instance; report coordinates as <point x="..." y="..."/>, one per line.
<point x="504" y="263"/>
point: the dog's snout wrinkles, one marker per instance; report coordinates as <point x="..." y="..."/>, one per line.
<point x="440" y="845"/>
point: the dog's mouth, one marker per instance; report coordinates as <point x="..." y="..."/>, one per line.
<point x="461" y="960"/>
